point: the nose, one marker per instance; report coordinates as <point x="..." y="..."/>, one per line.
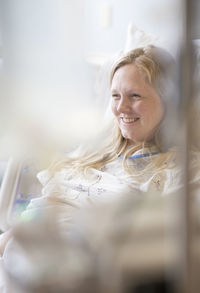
<point x="124" y="105"/>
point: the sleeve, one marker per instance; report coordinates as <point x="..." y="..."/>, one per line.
<point x="54" y="201"/>
<point x="44" y="176"/>
<point x="175" y="176"/>
<point x="166" y="181"/>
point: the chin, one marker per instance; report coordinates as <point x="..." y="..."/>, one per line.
<point x="130" y="139"/>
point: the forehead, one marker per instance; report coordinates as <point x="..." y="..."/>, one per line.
<point x="129" y="78"/>
<point x="129" y="74"/>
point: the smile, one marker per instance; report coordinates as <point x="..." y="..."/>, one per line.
<point x="129" y="120"/>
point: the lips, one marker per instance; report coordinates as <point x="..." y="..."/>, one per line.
<point x="129" y="120"/>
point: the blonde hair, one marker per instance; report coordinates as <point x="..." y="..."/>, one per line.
<point x="149" y="59"/>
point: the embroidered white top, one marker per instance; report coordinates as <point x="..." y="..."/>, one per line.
<point x="64" y="191"/>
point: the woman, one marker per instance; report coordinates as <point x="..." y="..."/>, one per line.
<point x="133" y="157"/>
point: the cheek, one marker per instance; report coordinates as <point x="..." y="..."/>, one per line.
<point x="114" y="108"/>
<point x="154" y="113"/>
<point x="140" y="108"/>
<point x="151" y="108"/>
<point x="158" y="111"/>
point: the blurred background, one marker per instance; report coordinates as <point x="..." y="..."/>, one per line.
<point x="51" y="54"/>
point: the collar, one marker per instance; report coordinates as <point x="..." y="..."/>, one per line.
<point x="144" y="152"/>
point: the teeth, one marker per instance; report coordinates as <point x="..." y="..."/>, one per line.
<point x="127" y="120"/>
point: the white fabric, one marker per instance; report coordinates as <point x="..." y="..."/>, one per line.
<point x="67" y="192"/>
<point x="137" y="38"/>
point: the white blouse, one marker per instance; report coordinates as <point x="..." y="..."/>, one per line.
<point x="65" y="191"/>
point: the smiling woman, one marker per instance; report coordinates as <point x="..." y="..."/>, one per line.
<point x="133" y="153"/>
<point x="141" y="92"/>
<point x="136" y="105"/>
<point x="131" y="160"/>
<point x="131" y="156"/>
<point x="142" y="85"/>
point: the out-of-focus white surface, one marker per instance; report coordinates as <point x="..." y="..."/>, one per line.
<point x="47" y="86"/>
<point x="46" y="97"/>
<point x="161" y="18"/>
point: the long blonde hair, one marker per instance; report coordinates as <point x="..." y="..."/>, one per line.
<point x="156" y="63"/>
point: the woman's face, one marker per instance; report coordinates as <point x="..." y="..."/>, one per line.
<point x="135" y="104"/>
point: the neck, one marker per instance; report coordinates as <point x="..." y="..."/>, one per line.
<point x="133" y="147"/>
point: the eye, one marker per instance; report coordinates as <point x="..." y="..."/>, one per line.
<point x="115" y="96"/>
<point x="134" y="95"/>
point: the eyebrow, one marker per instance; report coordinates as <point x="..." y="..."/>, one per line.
<point x="113" y="90"/>
<point x="128" y="92"/>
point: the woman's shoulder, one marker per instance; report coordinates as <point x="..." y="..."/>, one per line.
<point x="175" y="160"/>
<point x="180" y="156"/>
<point x="174" y="168"/>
